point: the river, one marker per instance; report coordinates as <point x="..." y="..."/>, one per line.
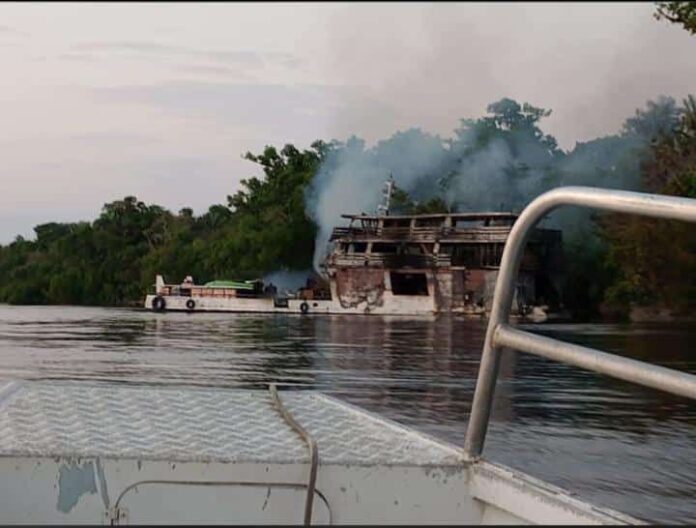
<point x="612" y="443"/>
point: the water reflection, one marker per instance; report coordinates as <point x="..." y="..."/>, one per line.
<point x="613" y="443"/>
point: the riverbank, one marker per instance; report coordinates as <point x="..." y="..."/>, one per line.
<point x="640" y="314"/>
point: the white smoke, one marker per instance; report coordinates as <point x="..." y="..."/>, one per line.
<point x="473" y="173"/>
<point x="286" y="280"/>
<point x="351" y="179"/>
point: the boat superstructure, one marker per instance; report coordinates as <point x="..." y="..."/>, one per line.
<point x="113" y="454"/>
<point x="439" y="263"/>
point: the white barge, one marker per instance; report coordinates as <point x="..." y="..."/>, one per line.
<point x="237" y="296"/>
<point x="75" y="453"/>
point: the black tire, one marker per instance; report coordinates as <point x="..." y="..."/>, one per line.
<point x="190" y="304"/>
<point x="304" y="307"/>
<point x="159" y="304"/>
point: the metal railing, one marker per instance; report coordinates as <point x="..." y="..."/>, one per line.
<point x="499" y="334"/>
<point x="389" y="260"/>
<point x="424" y="233"/>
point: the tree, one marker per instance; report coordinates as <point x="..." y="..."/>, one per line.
<point x="683" y="13"/>
<point x="401" y="203"/>
<point x="511" y="122"/>
<point x="655" y="260"/>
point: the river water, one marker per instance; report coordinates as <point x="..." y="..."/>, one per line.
<point x="612" y="443"/>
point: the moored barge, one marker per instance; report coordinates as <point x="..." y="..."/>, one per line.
<point x="396" y="265"/>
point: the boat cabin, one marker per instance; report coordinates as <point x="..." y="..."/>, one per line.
<point x="451" y="257"/>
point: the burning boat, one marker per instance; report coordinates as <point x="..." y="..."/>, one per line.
<point x="397" y="265"/>
<point x="437" y="263"/>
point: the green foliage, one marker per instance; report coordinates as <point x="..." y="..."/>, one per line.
<point x="656" y="259"/>
<point x="586" y="278"/>
<point x="683" y="13"/>
<point x="113" y="260"/>
<point x="510" y="122"/>
<point x="401" y="203"/>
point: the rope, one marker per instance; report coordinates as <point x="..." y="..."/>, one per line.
<point x="313" y="451"/>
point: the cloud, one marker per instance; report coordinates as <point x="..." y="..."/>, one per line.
<point x="72" y="56"/>
<point x="112" y="139"/>
<point x="220" y="71"/>
<point x="279" y="110"/>
<point x="592" y="64"/>
<point x="9" y="30"/>
<point x="247" y="58"/>
<point x="76" y="188"/>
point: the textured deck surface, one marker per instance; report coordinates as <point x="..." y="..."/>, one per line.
<point x="81" y="419"/>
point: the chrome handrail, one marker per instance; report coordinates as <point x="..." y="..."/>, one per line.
<point x="500" y="334"/>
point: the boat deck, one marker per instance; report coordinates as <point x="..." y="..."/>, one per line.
<point x="75" y="452"/>
<point x="201" y="425"/>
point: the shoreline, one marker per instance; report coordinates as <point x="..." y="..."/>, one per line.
<point x="638" y="315"/>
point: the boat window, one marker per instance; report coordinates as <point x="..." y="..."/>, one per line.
<point x="369" y="225"/>
<point x="412" y="249"/>
<point x="402" y="222"/>
<point x="379" y="247"/>
<point x="408" y="283"/>
<point x="465" y="255"/>
<point x="357" y="247"/>
<point x="468" y="224"/>
<point x="501" y="222"/>
<point x="429" y="222"/>
<point x="490" y="254"/>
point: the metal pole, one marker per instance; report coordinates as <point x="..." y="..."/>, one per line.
<point x="627" y="369"/>
<point x="610" y="200"/>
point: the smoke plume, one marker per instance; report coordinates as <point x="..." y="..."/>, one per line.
<point x="496" y="163"/>
<point x="286" y="280"/>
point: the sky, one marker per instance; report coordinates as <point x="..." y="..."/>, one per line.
<point x="161" y="100"/>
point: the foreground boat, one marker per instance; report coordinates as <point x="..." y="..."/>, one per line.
<point x="80" y="453"/>
<point x="86" y="453"/>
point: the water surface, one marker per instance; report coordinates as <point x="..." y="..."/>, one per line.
<point x="611" y="442"/>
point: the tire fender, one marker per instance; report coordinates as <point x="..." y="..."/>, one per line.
<point x="159" y="304"/>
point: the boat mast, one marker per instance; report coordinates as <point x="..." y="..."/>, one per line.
<point x="383" y="208"/>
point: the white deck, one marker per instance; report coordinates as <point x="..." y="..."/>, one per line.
<point x="392" y="305"/>
<point x="78" y="452"/>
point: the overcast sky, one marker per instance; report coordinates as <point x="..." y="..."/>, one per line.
<point x="100" y="101"/>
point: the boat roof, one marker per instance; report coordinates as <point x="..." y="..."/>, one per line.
<point x="237" y="285"/>
<point x="463" y="216"/>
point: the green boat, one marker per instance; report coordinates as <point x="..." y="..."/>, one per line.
<point x="237" y="285"/>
